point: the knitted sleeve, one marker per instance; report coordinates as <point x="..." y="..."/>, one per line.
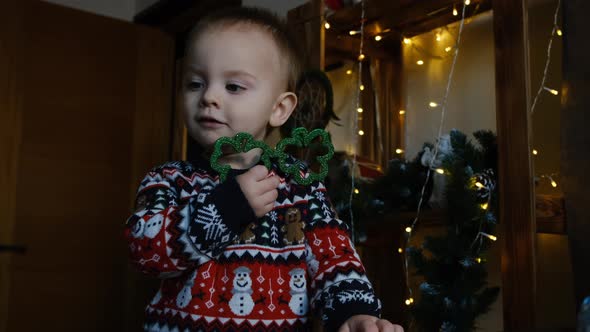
<point x="183" y="218"/>
<point x="339" y="287"/>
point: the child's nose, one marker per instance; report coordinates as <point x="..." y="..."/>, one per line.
<point x="209" y="98"/>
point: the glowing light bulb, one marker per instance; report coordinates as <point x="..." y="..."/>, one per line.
<point x="400" y="250"/>
<point x="479" y="185"/>
<point x="408" y="302"/>
<point x="553" y="183"/>
<point x="478" y="259"/>
<point x="551" y="91"/>
<point x="408" y="229"/>
<point x="484" y="206"/>
<point x="440" y="171"/>
<point x="402" y="112"/>
<point x="559" y="32"/>
<point x="407" y="41"/>
<point x="362" y="87"/>
<point x="455" y="12"/>
<point x="352" y="32"/>
<point x="361" y="57"/>
<point x="327" y="25"/>
<point x="349" y="72"/>
<point x="399" y="151"/>
<point x="433" y="104"/>
<point x="467" y="2"/>
<point x="378" y="38"/>
<point x="438" y="37"/>
<point x="356" y="191"/>
<point x="535" y="152"/>
<point x="360" y="110"/>
<point x="361" y="132"/>
<point x="420" y="62"/>
<point x="411" y="300"/>
<point x="448" y="49"/>
<point x="489" y="236"/>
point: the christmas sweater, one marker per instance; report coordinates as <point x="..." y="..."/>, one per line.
<point x="222" y="269"/>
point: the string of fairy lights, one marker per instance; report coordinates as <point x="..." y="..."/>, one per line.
<point x="410" y="229"/>
<point x="359" y="132"/>
<point x="554" y="31"/>
<point x="355" y="127"/>
<point x="544" y="88"/>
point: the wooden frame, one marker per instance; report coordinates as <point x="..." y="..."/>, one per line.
<point x="404" y="19"/>
<point x="574" y="139"/>
<point x="307" y="25"/>
<point x="516" y="202"/>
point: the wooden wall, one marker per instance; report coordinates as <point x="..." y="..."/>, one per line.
<point x="575" y="139"/>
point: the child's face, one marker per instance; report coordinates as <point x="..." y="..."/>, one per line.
<point x="233" y="82"/>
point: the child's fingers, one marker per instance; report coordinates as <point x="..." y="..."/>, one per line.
<point x="269" y="207"/>
<point x="258" y="172"/>
<point x="264" y="203"/>
<point x="268" y="184"/>
<point x="269" y="197"/>
<point x="386" y="326"/>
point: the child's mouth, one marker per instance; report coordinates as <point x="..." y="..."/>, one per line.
<point x="210" y="122"/>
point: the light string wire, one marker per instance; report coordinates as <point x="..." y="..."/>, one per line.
<point x="424" y="52"/>
<point x="542" y="87"/>
<point x="435" y="152"/>
<point x="355" y="126"/>
<point x="548" y="59"/>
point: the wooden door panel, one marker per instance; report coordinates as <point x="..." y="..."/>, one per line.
<point x="11" y="91"/>
<point x="95" y="116"/>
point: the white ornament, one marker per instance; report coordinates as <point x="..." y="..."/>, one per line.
<point x="437" y="198"/>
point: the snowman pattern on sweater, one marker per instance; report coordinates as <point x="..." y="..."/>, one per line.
<point x="185" y="295"/>
<point x="241" y="302"/>
<point x="223" y="268"/>
<point x="299" y="302"/>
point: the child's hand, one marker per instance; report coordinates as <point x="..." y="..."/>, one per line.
<point x="260" y="189"/>
<point x="366" y="323"/>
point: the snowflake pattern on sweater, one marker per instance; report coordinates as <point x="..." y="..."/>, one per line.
<point x="222" y="269"/>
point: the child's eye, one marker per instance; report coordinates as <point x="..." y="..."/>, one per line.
<point x="194" y="85"/>
<point x="231" y="87"/>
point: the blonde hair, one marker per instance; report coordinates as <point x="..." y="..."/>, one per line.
<point x="266" y="21"/>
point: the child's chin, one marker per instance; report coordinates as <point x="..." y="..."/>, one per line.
<point x="207" y="142"/>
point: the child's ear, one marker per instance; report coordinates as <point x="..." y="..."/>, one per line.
<point x="283" y="108"/>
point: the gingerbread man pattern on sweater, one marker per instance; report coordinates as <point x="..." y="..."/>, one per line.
<point x="222" y="269"/>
